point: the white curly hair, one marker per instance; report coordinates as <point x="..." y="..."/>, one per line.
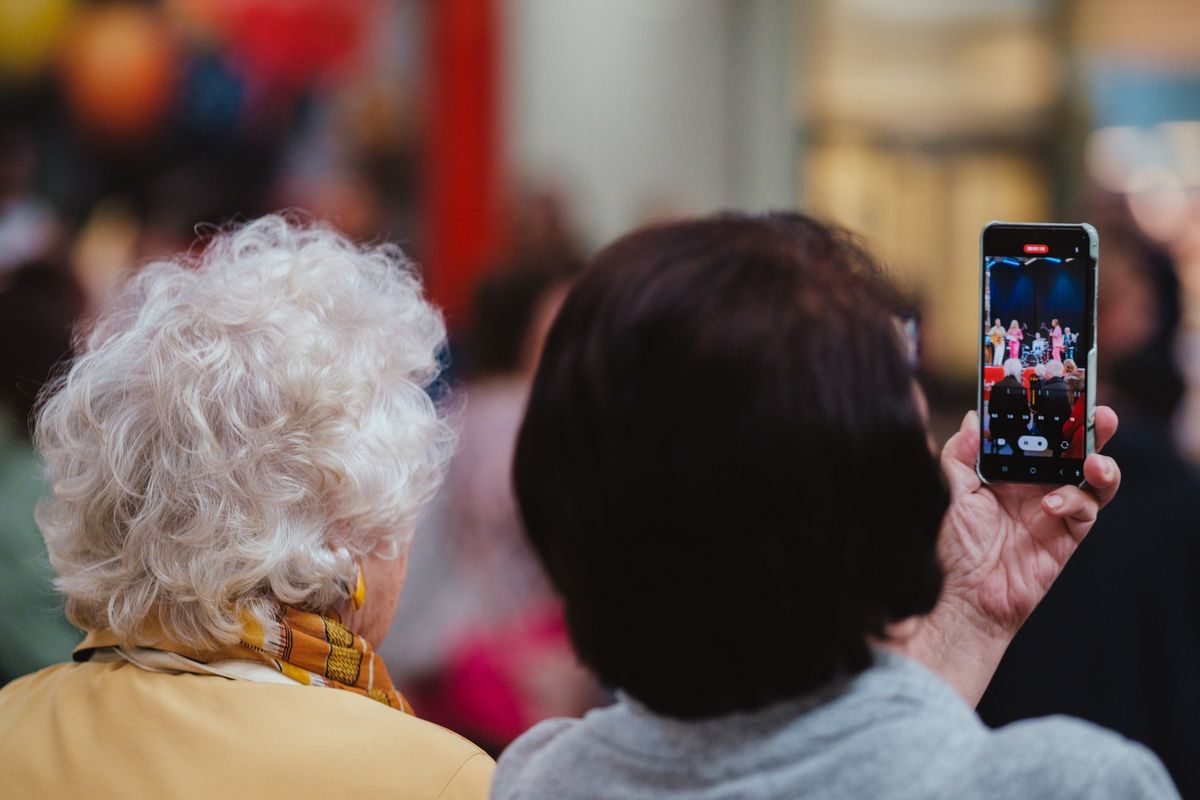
<point x="239" y="429"/>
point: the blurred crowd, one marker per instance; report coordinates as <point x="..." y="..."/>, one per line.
<point x="125" y="124"/>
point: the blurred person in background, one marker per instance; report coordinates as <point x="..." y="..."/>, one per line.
<point x="500" y="660"/>
<point x="1117" y="639"/>
<point x="714" y="399"/>
<point x="39" y="304"/>
<point x="238" y="456"/>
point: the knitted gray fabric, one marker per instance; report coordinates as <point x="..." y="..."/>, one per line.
<point x="895" y="731"/>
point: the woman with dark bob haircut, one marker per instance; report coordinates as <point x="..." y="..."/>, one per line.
<point x="725" y="467"/>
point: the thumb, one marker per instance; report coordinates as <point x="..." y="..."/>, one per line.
<point x="958" y="457"/>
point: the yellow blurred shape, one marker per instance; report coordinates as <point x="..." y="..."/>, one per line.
<point x="29" y="30"/>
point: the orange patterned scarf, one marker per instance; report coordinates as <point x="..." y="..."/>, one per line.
<point x="319" y="651"/>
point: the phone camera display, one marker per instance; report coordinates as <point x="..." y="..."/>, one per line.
<point x="1034" y="370"/>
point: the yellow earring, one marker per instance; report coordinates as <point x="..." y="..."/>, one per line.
<point x="359" y="595"/>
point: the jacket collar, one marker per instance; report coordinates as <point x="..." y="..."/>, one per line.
<point x="149" y="635"/>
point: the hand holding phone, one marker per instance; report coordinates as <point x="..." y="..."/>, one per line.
<point x="1002" y="546"/>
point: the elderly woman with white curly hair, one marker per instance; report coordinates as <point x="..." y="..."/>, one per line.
<point x="239" y="454"/>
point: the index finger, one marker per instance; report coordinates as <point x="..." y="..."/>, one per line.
<point x="1101" y="473"/>
<point x="1103" y="477"/>
<point x="1106" y="425"/>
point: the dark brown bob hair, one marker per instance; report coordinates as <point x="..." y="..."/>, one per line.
<point x="723" y="466"/>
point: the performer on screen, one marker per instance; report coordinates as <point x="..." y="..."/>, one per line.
<point x="1014" y="337"/>
<point x="1039" y="348"/>
<point x="996" y="336"/>
<point x="1069" y="340"/>
<point x="1056" y="340"/>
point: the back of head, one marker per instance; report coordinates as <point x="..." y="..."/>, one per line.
<point x="723" y="466"/>
<point x="238" y="429"/>
<point x="1013" y="367"/>
<point x="1054" y="369"/>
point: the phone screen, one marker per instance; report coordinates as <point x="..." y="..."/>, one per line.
<point x="1037" y="352"/>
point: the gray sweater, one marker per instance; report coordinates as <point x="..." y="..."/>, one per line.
<point x="895" y="731"/>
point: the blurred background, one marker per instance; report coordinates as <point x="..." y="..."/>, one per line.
<point x="501" y="141"/>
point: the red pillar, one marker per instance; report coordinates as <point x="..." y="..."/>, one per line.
<point x="463" y="163"/>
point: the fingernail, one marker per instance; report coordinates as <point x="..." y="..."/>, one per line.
<point x="1109" y="466"/>
<point x="1054" y="501"/>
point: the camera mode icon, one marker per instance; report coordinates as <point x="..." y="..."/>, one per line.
<point x="1035" y="443"/>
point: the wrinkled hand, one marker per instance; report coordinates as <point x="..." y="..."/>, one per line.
<point x="1002" y="545"/>
<point x="1001" y="548"/>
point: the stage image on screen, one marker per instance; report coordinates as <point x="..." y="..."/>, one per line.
<point x="1034" y="386"/>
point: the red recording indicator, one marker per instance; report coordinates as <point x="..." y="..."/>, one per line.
<point x="1037" y="248"/>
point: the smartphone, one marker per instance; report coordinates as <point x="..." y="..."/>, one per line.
<point x="1037" y="351"/>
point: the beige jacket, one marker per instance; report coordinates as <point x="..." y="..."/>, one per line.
<point x="110" y="729"/>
